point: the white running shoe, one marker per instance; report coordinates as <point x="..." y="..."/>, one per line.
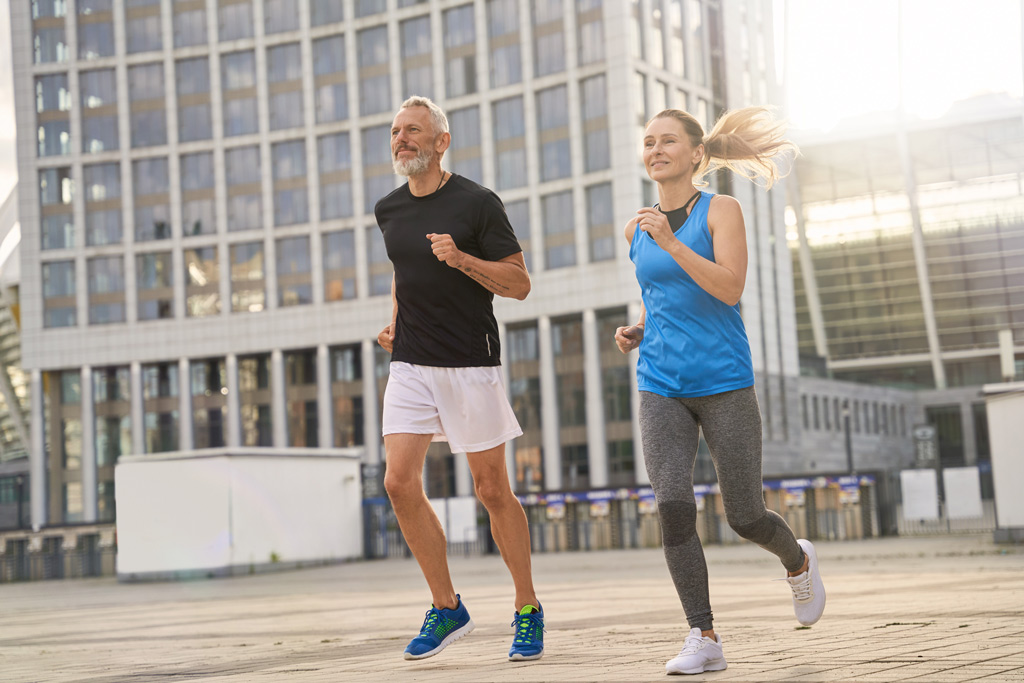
<point x="699" y="654"/>
<point x="808" y="590"/>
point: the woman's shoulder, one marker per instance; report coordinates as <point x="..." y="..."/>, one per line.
<point x="723" y="206"/>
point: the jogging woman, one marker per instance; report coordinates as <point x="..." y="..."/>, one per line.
<point x="695" y="369"/>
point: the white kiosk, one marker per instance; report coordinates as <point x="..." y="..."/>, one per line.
<point x="1005" y="406"/>
<point x="226" y="511"/>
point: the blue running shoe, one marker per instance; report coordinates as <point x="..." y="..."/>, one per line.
<point x="529" y="640"/>
<point x="441" y="628"/>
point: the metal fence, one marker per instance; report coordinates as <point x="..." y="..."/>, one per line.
<point x="75" y="564"/>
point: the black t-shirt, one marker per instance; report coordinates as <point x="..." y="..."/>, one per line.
<point x="445" y="318"/>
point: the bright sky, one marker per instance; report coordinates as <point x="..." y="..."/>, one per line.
<point x="841" y="60"/>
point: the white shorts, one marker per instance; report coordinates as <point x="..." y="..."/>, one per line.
<point x="467" y="407"/>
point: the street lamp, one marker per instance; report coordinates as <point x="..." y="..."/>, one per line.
<point x="848" y="438"/>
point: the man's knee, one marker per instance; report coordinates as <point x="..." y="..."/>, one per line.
<point x="492" y="493"/>
<point x="678" y="522"/>
<point x="760" y="531"/>
<point x="402" y="485"/>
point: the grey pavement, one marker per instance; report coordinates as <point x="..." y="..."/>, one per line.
<point x="947" y="608"/>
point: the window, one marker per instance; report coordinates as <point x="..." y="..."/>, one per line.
<point x="148" y="117"/>
<point x="331" y="80"/>
<point x="509" y="142"/>
<point x="209" y="402"/>
<point x="503" y="31"/>
<point x="235" y="18"/>
<point x="594" y="110"/>
<point x="245" y="191"/>
<point x="102" y="204"/>
<point x="142" y="25"/>
<point x="291" y="199"/>
<point x="98" y="99"/>
<point x="189" y="23"/>
<point x="255" y="396"/>
<point x="152" y="201"/>
<point x="56" y="191"/>
<point x="380" y="266"/>
<point x="553" y="133"/>
<point x="301" y="398"/>
<point x="322" y="12"/>
<point x="247" y="285"/>
<point x="59" y="294"/>
<point x="600" y="222"/>
<point x="106" y="290"/>
<point x="238" y="82"/>
<point x="339" y="250"/>
<point x="378" y="174"/>
<point x="160" y="401"/>
<point x="374" y="81"/>
<point x="197" y="195"/>
<point x="460" y="51"/>
<point x="347" y="395"/>
<point x="155" y="286"/>
<point x="334" y="157"/>
<point x="202" y="282"/>
<point x="548" y="37"/>
<point x="280" y="16"/>
<point x="518" y="213"/>
<point x="53" y="102"/>
<point x="95" y="29"/>
<point x="417" y="70"/>
<point x="284" y="75"/>
<point x="590" y="31"/>
<point x="294" y="283"/>
<point x="195" y="121"/>
<point x="464" y="153"/>
<point x="559" y="231"/>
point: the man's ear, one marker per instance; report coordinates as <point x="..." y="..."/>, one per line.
<point x="442" y="142"/>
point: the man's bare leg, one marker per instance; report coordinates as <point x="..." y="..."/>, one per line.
<point x="508" y="520"/>
<point x="403" y="480"/>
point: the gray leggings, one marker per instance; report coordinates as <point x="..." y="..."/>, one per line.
<point x="731" y="422"/>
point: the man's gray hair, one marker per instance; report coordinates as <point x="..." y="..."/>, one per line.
<point x="437" y="117"/>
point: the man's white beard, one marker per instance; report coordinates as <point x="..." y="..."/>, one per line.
<point x="414" y="166"/>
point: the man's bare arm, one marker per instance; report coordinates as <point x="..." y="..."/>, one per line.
<point x="507" y="277"/>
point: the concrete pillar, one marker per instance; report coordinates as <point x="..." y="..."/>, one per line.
<point x="234" y="416"/>
<point x="371" y="420"/>
<point x="463" y="477"/>
<point x="278" y="409"/>
<point x="90" y="508"/>
<point x="510" y="445"/>
<point x="552" y="452"/>
<point x="638" y="446"/>
<point x="597" y="442"/>
<point x="324" y="405"/>
<point x="186" y="428"/>
<point x="138" y="410"/>
<point x="37" y="453"/>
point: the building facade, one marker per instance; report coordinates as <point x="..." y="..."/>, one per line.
<point x="907" y="241"/>
<point x="200" y="263"/>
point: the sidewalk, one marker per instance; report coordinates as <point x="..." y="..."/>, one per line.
<point x="941" y="609"/>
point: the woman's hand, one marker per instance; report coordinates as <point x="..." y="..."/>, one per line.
<point x="655" y="223"/>
<point x="628" y="338"/>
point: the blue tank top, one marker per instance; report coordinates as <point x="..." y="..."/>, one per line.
<point x="694" y="344"/>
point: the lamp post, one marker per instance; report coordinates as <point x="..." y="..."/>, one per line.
<point x="848" y="438"/>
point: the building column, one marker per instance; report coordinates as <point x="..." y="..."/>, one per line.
<point x="552" y="452"/>
<point x="463" y="477"/>
<point x="37" y="453"/>
<point x="597" y="441"/>
<point x="807" y="269"/>
<point x="510" y="445"/>
<point x="234" y="425"/>
<point x="634" y="403"/>
<point x="324" y="406"/>
<point x="970" y="439"/>
<point x="90" y="509"/>
<point x="186" y="428"/>
<point x="371" y="420"/>
<point x="921" y="260"/>
<point x="278" y="407"/>
<point x="138" y="410"/>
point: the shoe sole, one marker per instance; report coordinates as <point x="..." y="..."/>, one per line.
<point x="524" y="658"/>
<point x="452" y="637"/>
<point x="716" y="665"/>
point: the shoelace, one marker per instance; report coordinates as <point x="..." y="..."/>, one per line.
<point x="432" y="615"/>
<point x="527" y="626"/>
<point x="691" y="645"/>
<point x="802" y="590"/>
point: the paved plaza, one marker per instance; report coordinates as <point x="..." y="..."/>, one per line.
<point x="938" y="609"/>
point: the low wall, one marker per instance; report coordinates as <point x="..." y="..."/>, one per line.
<point x="214" y="513"/>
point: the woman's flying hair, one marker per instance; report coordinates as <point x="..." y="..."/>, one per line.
<point x="747" y="141"/>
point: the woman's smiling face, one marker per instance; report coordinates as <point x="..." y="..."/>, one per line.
<point x="668" y="152"/>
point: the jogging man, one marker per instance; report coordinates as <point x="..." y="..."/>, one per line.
<point x="453" y="249"/>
